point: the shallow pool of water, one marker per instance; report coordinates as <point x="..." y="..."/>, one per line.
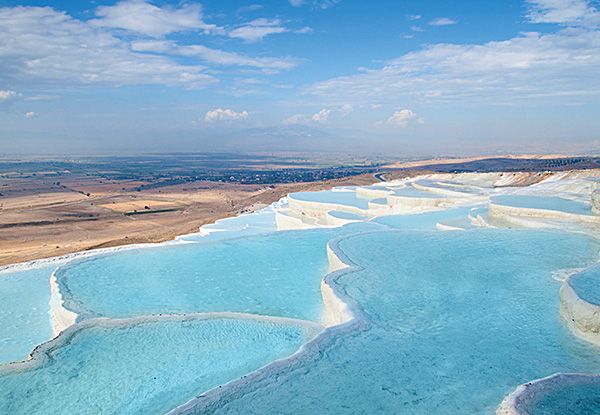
<point x="146" y="368"/>
<point x="277" y="274"/>
<point x="455" y="321"/>
<point x="586" y="284"/>
<point x="24" y="318"/>
<point x="544" y="202"/>
<point x="346" y="198"/>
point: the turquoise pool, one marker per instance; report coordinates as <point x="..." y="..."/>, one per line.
<point x="346" y="198"/>
<point x="454" y="321"/>
<point x="145" y="367"/>
<point x="24" y="317"/>
<point x="544" y="202"/>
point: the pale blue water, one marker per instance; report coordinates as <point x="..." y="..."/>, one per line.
<point x="412" y="192"/>
<point x="582" y="398"/>
<point x="277" y="274"/>
<point x="586" y="284"/>
<point x="440" y="185"/>
<point x="425" y="221"/>
<point x="346" y="198"/>
<point x="379" y="201"/>
<point x="455" y="321"/>
<point x="24" y="318"/>
<point x="458" y="223"/>
<point x="346" y="215"/>
<point x="543" y="202"/>
<point x="147" y="368"/>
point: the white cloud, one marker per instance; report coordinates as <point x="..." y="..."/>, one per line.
<point x="215" y="56"/>
<point x="43" y="97"/>
<point x="442" y="21"/>
<point x="142" y="17"/>
<point x="305" y="29"/>
<point x="412" y="16"/>
<point x="296" y="119"/>
<point x="417" y="29"/>
<point x="31" y="114"/>
<point x="346" y="109"/>
<point x="400" y="118"/>
<point x="319" y="4"/>
<point x="320" y="117"/>
<point x="568" y="12"/>
<point x="532" y="66"/>
<point x="10" y="95"/>
<point x="257" y="29"/>
<point x="251" y="8"/>
<point x="44" y="46"/>
<point x="7" y="98"/>
<point x="226" y="115"/>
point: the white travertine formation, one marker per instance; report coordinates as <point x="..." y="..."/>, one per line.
<point x="502" y="211"/>
<point x="339" y="220"/>
<point x="445" y="227"/>
<point x="287" y="220"/>
<point x="336" y="311"/>
<point x="373" y="192"/>
<point x="379" y="207"/>
<point x="582" y="317"/>
<point x="595" y="199"/>
<point x="436" y="191"/>
<point x="319" y="209"/>
<point x="61" y="317"/>
<point x="440" y="189"/>
<point x="407" y="204"/>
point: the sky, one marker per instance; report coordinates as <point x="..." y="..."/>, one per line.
<point x="402" y="78"/>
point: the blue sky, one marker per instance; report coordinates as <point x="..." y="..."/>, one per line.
<point x="390" y="77"/>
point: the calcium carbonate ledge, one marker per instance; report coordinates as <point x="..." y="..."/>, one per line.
<point x="62" y="259"/>
<point x="343" y="313"/>
<point x="320" y="209"/>
<point x="336" y="218"/>
<point x="440" y="190"/>
<point x="502" y="211"/>
<point x="582" y="317"/>
<point x="286" y="220"/>
<point x="374" y="193"/>
<point x="409" y="204"/>
<point x="60" y="317"/>
<point x="525" y="396"/>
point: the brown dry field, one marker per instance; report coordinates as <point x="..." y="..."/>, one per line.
<point x="141" y="204"/>
<point x="39" y="219"/>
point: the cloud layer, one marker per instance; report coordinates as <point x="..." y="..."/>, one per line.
<point x="226" y="115"/>
<point x="567" y="12"/>
<point x="7" y="98"/>
<point x="257" y="29"/>
<point x="320" y="117"/>
<point x="42" y="46"/>
<point x="141" y="17"/>
<point x="401" y="118"/>
<point x="562" y="65"/>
